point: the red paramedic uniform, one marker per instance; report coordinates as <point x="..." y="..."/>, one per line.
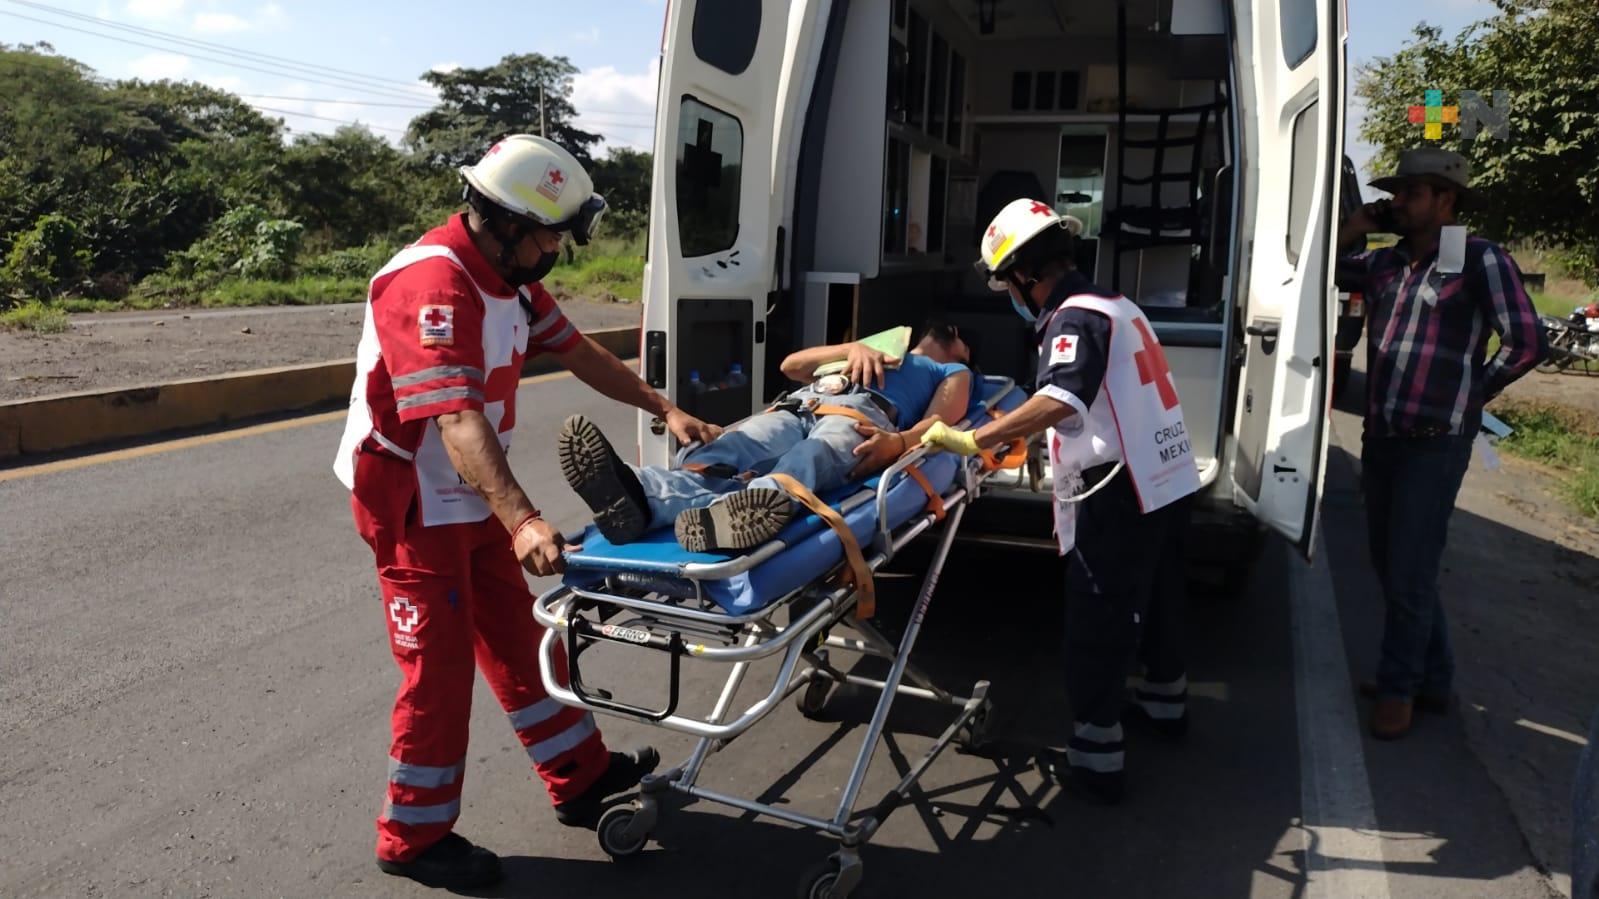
<point x="444" y="333"/>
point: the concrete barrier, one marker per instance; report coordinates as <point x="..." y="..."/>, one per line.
<point x="75" y="420"/>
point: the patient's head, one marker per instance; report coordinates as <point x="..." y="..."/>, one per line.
<point x="942" y="342"/>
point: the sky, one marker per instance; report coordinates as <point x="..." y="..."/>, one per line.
<point x="281" y="55"/>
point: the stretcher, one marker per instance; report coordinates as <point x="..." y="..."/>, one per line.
<point x="783" y="601"/>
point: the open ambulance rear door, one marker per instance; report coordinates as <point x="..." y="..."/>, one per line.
<point x="735" y="77"/>
<point x="1293" y="53"/>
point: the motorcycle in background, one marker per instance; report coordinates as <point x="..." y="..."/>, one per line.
<point x="1573" y="341"/>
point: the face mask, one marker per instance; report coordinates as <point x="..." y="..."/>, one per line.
<point x="523" y="275"/>
<point x="1027" y="314"/>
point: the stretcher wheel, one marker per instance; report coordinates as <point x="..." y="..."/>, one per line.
<point x="613" y="832"/>
<point x="821" y="881"/>
<point x="974" y="733"/>
<point x="811" y="700"/>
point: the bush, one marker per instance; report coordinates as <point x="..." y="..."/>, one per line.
<point x="351" y="262"/>
<point x="46" y="259"/>
<point x="37" y="317"/>
<point x="243" y="241"/>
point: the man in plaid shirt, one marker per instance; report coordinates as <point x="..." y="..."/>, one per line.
<point x="1431" y="309"/>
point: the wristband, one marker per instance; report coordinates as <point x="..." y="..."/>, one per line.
<point x="522" y="523"/>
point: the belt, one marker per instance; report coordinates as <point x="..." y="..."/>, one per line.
<point x="786" y="403"/>
<point x="1421" y="432"/>
<point x="885" y="404"/>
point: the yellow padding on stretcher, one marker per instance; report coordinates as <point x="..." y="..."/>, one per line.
<point x="856" y="572"/>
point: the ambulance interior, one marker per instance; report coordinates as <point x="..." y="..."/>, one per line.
<point x="1116" y="113"/>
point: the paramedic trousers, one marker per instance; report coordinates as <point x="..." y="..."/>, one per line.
<point x="454" y="595"/>
<point x="1410" y="485"/>
<point x="817" y="451"/>
<point x="1125" y="598"/>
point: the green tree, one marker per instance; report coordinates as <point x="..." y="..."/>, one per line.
<point x="1541" y="183"/>
<point x="479" y="106"/>
<point x="48" y="258"/>
<point x="348" y="185"/>
<point x="623" y="177"/>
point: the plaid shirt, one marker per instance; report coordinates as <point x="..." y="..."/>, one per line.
<point x="1427" y="336"/>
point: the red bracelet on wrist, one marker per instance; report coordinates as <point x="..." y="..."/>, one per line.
<point x="522" y="523"/>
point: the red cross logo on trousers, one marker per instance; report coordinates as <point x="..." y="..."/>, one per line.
<point x="1152" y="366"/>
<point x="434" y="317"/>
<point x="1040" y="209"/>
<point x="404" y="614"/>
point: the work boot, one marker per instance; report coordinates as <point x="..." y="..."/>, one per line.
<point x="1102" y="787"/>
<point x="738" y="520"/>
<point x="624" y="772"/>
<point x="1170" y="729"/>
<point x="1433" y="703"/>
<point x="453" y="863"/>
<point x="1391" y="719"/>
<point x="610" y="489"/>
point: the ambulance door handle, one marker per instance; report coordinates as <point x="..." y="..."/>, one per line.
<point x="1267" y="334"/>
<point x="655" y="359"/>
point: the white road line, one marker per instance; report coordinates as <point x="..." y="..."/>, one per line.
<point x="1343" y="848"/>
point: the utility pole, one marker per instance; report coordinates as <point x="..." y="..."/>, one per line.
<point x="542" y="132"/>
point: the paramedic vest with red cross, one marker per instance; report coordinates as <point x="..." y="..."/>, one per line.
<point x="1135" y="419"/>
<point x="393" y="398"/>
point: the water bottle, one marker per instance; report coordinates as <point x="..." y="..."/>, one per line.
<point x="695" y="385"/>
<point x="735" y="375"/>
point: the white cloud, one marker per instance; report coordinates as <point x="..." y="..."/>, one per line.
<point x="444" y="68"/>
<point x="155" y="9"/>
<point x="219" y="23"/>
<point x="619" y="106"/>
<point x="156" y="66"/>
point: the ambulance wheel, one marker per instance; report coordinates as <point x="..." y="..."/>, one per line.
<point x="811" y="700"/>
<point x="612" y="831"/>
<point x="821" y="881"/>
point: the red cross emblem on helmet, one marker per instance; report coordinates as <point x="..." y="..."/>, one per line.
<point x="1040" y="209"/>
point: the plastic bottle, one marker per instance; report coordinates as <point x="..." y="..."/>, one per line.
<point x="735" y="375"/>
<point x="695" y="385"/>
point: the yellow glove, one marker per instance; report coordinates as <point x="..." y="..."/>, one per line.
<point x="943" y="437"/>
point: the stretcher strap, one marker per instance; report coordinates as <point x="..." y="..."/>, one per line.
<point x="1014" y="456"/>
<point x="935" y="503"/>
<point x="855" y="572"/>
<point x="847" y="412"/>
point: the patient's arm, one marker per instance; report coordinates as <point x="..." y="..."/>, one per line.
<point x="883" y="447"/>
<point x="865" y="365"/>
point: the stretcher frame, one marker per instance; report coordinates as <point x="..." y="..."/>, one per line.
<point x="582" y="616"/>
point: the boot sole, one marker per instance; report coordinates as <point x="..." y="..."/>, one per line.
<point x="590" y="467"/>
<point x="740" y="520"/>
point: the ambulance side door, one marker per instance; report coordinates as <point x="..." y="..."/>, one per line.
<point x="1284" y="394"/>
<point x="733" y="74"/>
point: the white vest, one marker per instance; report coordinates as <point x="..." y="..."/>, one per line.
<point x="1136" y="419"/>
<point x="444" y="496"/>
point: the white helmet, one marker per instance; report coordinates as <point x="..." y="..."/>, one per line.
<point x="537" y="178"/>
<point x="1019" y="222"/>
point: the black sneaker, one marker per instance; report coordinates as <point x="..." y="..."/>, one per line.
<point x="610" y="489"/>
<point x="739" y="520"/>
<point x="453" y="863"/>
<point x="1170" y="729"/>
<point x="624" y="773"/>
<point x="1102" y="787"/>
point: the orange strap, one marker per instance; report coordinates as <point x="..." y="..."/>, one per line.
<point x="1015" y="455"/>
<point x="855" y="573"/>
<point x="847" y="412"/>
<point x="935" y="503"/>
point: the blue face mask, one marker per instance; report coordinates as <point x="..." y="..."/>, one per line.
<point x="1026" y="313"/>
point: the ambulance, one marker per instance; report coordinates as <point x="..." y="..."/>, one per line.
<point x="824" y="169"/>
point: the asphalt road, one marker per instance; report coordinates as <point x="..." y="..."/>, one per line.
<point x="194" y="694"/>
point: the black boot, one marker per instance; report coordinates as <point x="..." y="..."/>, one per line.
<point x="607" y="486"/>
<point x="740" y="520"/>
<point x="453" y="863"/>
<point x="624" y="773"/>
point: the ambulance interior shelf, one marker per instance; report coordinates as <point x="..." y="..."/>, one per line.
<point x="715" y="353"/>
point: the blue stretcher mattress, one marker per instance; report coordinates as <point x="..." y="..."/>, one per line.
<point x="811" y="546"/>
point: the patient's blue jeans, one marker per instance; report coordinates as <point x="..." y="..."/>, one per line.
<point x="817" y="452"/>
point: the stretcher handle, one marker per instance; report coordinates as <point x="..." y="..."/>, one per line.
<point x="1015" y="455"/>
<point x="581" y="634"/>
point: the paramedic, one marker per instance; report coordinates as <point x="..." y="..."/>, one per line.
<point x="449" y="321"/>
<point x="1123" y="467"/>
<point x="1431" y="306"/>
<point x="840" y="426"/>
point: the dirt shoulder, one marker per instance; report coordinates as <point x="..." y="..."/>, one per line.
<point x="124" y="349"/>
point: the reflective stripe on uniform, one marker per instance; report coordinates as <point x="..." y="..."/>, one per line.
<point x="393" y="447"/>
<point x="1098" y="762"/>
<point x="545" y="323"/>
<point x="538" y="712"/>
<point x="1097" y="734"/>
<point x="442" y="813"/>
<point x="1095" y="747"/>
<point x="1163" y="702"/>
<point x="439" y="396"/>
<point x="437" y="372"/>
<point x="410" y="775"/>
<point x="563" y="742"/>
<point x="556" y="340"/>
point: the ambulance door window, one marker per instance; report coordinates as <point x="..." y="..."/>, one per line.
<point x="1302" y="182"/>
<point x="1298" y="21"/>
<point x="725" y="33"/>
<point x="710" y="157"/>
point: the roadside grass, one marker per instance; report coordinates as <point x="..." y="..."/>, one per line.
<point x="306" y="290"/>
<point x="614" y="266"/>
<point x="36" y="317"/>
<point x="1562" y="439"/>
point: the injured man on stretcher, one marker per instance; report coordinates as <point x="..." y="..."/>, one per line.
<point x="837" y="427"/>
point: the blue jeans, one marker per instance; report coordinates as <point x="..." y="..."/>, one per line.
<point x="1410" y="486"/>
<point x="817" y="452"/>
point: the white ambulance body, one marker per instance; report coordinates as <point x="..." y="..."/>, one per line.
<point x="824" y="168"/>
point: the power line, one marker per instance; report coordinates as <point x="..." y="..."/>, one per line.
<point x="351" y="102"/>
<point x="234" y="64"/>
<point x="225" y="48"/>
<point x="323" y="118"/>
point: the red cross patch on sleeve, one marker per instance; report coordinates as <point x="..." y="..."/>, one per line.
<point x="1063" y="350"/>
<point x="437" y="324"/>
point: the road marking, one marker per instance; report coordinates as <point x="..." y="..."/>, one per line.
<point x="1343" y="848"/>
<point x="172" y="446"/>
<point x="1546" y="730"/>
